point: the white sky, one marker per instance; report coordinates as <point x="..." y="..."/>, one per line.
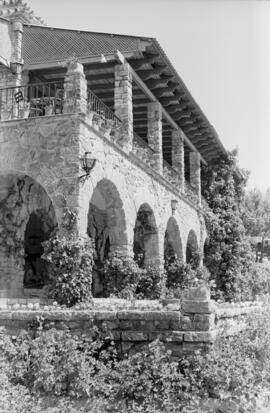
<point x="220" y="48"/>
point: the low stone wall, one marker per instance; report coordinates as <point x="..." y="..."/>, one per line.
<point x="231" y="317"/>
<point x="190" y="325"/>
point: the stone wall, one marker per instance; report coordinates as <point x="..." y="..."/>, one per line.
<point x="48" y="150"/>
<point x="186" y="327"/>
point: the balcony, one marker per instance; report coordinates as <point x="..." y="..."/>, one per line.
<point x="47" y="99"/>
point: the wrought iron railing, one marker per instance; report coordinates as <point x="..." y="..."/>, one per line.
<point x="37" y="99"/>
<point x="97" y="106"/>
<point x="47" y="98"/>
<point x="190" y="192"/>
<point x="170" y="174"/>
<point x="143" y="150"/>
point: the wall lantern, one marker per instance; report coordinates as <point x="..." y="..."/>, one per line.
<point x="174" y="203"/>
<point x="87" y="164"/>
<point x="14" y="67"/>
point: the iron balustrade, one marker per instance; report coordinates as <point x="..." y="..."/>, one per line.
<point x="190" y="192"/>
<point x="143" y="150"/>
<point x="37" y="99"/>
<point x="47" y="98"/>
<point x="170" y="174"/>
<point x="140" y="142"/>
<point x="97" y="106"/>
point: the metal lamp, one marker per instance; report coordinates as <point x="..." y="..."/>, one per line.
<point x="174" y="203"/>
<point x="87" y="164"/>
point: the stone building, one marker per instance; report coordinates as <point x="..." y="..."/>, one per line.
<point x="101" y="126"/>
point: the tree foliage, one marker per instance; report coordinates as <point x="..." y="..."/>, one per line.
<point x="227" y="254"/>
<point x="71" y="261"/>
<point x="256" y="213"/>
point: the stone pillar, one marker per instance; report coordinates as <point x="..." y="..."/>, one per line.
<point x="123" y="106"/>
<point x="12" y="76"/>
<point x="198" y="321"/>
<point x="154" y="133"/>
<point x="75" y="89"/>
<point x="195" y="173"/>
<point x="178" y="156"/>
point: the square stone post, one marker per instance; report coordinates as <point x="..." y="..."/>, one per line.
<point x="12" y="78"/>
<point x="178" y="156"/>
<point x="154" y="133"/>
<point x="75" y="89"/>
<point x="195" y="173"/>
<point x="123" y="106"/>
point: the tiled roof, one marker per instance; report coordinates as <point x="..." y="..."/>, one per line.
<point x="43" y="44"/>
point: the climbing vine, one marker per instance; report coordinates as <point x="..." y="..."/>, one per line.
<point x="227" y="254"/>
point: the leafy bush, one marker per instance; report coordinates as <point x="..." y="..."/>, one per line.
<point x="121" y="275"/>
<point x="228" y="255"/>
<point x="70" y="268"/>
<point x="56" y="363"/>
<point x="256" y="282"/>
<point x="125" y="279"/>
<point x="152" y="283"/>
<point x="181" y="277"/>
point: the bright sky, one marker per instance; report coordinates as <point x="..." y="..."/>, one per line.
<point x="220" y="48"/>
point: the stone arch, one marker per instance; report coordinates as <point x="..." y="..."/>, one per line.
<point x="172" y="241"/>
<point x="205" y="248"/>
<point x="146" y="240"/>
<point x="106" y="225"/>
<point x="40" y="227"/>
<point x="20" y="197"/>
<point x="192" y="248"/>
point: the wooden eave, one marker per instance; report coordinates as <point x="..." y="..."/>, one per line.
<point x="154" y="79"/>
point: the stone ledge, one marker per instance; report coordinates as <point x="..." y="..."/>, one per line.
<point x="198" y="307"/>
<point x="134" y="336"/>
<point x="197" y="294"/>
<point x="200" y="336"/>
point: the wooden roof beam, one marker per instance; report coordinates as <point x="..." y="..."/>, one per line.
<point x="160" y="91"/>
<point x="152" y="98"/>
<point x="149" y="73"/>
<point x="138" y="63"/>
<point x="101" y="76"/>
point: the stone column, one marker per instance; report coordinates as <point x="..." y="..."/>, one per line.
<point x="12" y="78"/>
<point x="123" y="106"/>
<point x="195" y="173"/>
<point x="154" y="133"/>
<point x="178" y="156"/>
<point x="75" y="89"/>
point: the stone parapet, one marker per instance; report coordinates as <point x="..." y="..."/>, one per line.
<point x="134" y="324"/>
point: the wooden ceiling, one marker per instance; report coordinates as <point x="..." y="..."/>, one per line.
<point x="160" y="79"/>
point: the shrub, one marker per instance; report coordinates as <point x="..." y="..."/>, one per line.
<point x="121" y="275"/>
<point x="56" y="363"/>
<point x="255" y="283"/>
<point x="181" y="277"/>
<point x="125" y="279"/>
<point x="70" y="268"/>
<point x="152" y="283"/>
<point x="227" y="255"/>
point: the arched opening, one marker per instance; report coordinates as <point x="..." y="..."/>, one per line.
<point x="192" y="250"/>
<point x="172" y="242"/>
<point x="26" y="214"/>
<point x="145" y="244"/>
<point x="106" y="226"/>
<point x="205" y="251"/>
<point x="39" y="228"/>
